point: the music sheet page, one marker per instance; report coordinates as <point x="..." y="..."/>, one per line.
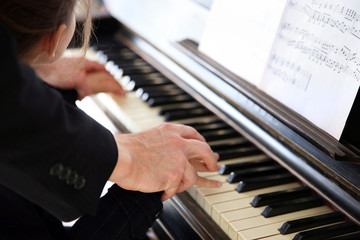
<point x="239" y="35"/>
<point x="304" y="53"/>
<point x="313" y="67"/>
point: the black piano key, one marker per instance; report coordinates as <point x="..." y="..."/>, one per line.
<point x="129" y="63"/>
<point x="160" y="88"/>
<point x="174" y="107"/>
<point x="276" y="209"/>
<point x="228" y="168"/>
<point x="311" y="222"/>
<point x="150" y="76"/>
<point x="138" y="83"/>
<point x="240" y="152"/>
<point x="202" y="124"/>
<point x="274" y="197"/>
<point x="158" y="101"/>
<point x="178" y="108"/>
<point x="120" y="60"/>
<point x="350" y="236"/>
<point x="243" y="174"/>
<point x="213" y="126"/>
<point x="149" y="81"/>
<point x="146" y="78"/>
<point x="187" y="113"/>
<point x="227" y="146"/>
<point x="147" y="89"/>
<point x="135" y="69"/>
<point x="160" y="93"/>
<point x="214" y="135"/>
<point x="121" y="53"/>
<point x="263" y="182"/>
<point x="328" y="231"/>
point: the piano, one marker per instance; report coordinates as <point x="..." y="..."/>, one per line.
<point x="283" y="177"/>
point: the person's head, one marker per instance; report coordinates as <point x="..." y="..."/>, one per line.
<point x="42" y="28"/>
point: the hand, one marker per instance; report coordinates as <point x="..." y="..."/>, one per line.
<point x="160" y="159"/>
<point x="87" y="77"/>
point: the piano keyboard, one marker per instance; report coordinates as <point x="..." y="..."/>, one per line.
<point x="259" y="199"/>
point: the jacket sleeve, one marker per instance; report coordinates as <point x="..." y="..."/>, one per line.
<point x="51" y="152"/>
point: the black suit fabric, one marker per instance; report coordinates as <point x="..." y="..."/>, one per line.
<point x="51" y="152"/>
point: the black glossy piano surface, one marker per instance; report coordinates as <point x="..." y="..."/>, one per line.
<point x="278" y="182"/>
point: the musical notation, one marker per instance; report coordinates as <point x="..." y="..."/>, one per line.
<point x="315" y="61"/>
<point x="326" y="13"/>
<point x="319" y="49"/>
<point x="289" y="72"/>
<point x="340" y="59"/>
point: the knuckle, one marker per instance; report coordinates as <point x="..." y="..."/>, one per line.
<point x="165" y="126"/>
<point x="177" y="141"/>
<point x="205" y="149"/>
<point x="193" y="131"/>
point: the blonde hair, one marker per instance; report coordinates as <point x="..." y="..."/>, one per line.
<point x="84" y="16"/>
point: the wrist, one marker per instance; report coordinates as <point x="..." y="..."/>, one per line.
<point x="123" y="171"/>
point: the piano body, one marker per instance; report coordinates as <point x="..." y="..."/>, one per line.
<point x="247" y="127"/>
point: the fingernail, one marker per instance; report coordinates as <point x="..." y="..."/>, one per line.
<point x="219" y="184"/>
<point x="218" y="167"/>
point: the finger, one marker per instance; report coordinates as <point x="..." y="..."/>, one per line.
<point x="110" y="85"/>
<point x="201" y="151"/>
<point x="200" y="166"/>
<point x="90" y="66"/>
<point x="104" y="82"/>
<point x="190" y="133"/>
<point x="189" y="179"/>
<point x="169" y="193"/>
<point x="203" y="182"/>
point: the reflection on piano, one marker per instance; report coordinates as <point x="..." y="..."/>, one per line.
<point x="278" y="182"/>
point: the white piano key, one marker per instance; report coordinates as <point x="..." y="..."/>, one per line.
<point x="193" y="191"/>
<point x="258" y="226"/>
<point x="122" y="107"/>
<point x="243" y="201"/>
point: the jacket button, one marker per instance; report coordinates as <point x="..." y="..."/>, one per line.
<point x="71" y="179"/>
<point x="80" y="183"/>
<point x="65" y="173"/>
<point x="56" y="169"/>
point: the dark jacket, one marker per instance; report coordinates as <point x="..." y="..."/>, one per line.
<point x="51" y="152"/>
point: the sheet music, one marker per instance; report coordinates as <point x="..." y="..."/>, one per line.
<point x="239" y="35"/>
<point x="313" y="67"/>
